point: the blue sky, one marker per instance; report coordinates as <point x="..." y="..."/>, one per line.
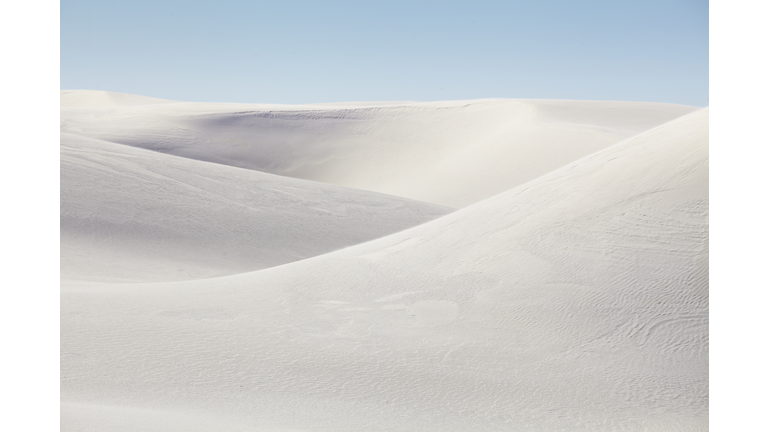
<point x="328" y="51"/>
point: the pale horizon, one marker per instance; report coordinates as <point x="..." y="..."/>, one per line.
<point x="311" y="52"/>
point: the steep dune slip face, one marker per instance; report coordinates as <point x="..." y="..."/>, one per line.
<point x="448" y="153"/>
<point x="133" y="215"/>
<point x="576" y="301"/>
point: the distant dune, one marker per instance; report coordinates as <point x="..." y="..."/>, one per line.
<point x="447" y="153"/>
<point x="569" y="293"/>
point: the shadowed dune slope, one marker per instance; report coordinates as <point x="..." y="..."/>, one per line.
<point x="577" y="301"/>
<point x="133" y="215"/>
<point x="448" y="153"/>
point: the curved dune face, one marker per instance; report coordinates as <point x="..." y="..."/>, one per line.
<point x="448" y="153"/>
<point x="133" y="215"/>
<point x="576" y="301"/>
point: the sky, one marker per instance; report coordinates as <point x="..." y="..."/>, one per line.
<point x="332" y="51"/>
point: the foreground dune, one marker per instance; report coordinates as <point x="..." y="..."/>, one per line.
<point x="576" y="301"/>
<point x="447" y="153"/>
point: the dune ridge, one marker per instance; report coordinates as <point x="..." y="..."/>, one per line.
<point x="131" y="215"/>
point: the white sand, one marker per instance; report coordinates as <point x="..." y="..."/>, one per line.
<point x="576" y="301"/>
<point x="448" y="153"/>
<point x="133" y="215"/>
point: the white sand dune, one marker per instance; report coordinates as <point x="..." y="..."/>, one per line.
<point x="576" y="301"/>
<point x="448" y="153"/>
<point x="129" y="214"/>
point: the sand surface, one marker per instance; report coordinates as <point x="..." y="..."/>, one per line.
<point x="129" y="214"/>
<point x="448" y="153"/>
<point x="576" y="299"/>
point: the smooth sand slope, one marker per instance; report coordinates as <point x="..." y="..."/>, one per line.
<point x="447" y="153"/>
<point x="577" y="301"/>
<point x="129" y="214"/>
